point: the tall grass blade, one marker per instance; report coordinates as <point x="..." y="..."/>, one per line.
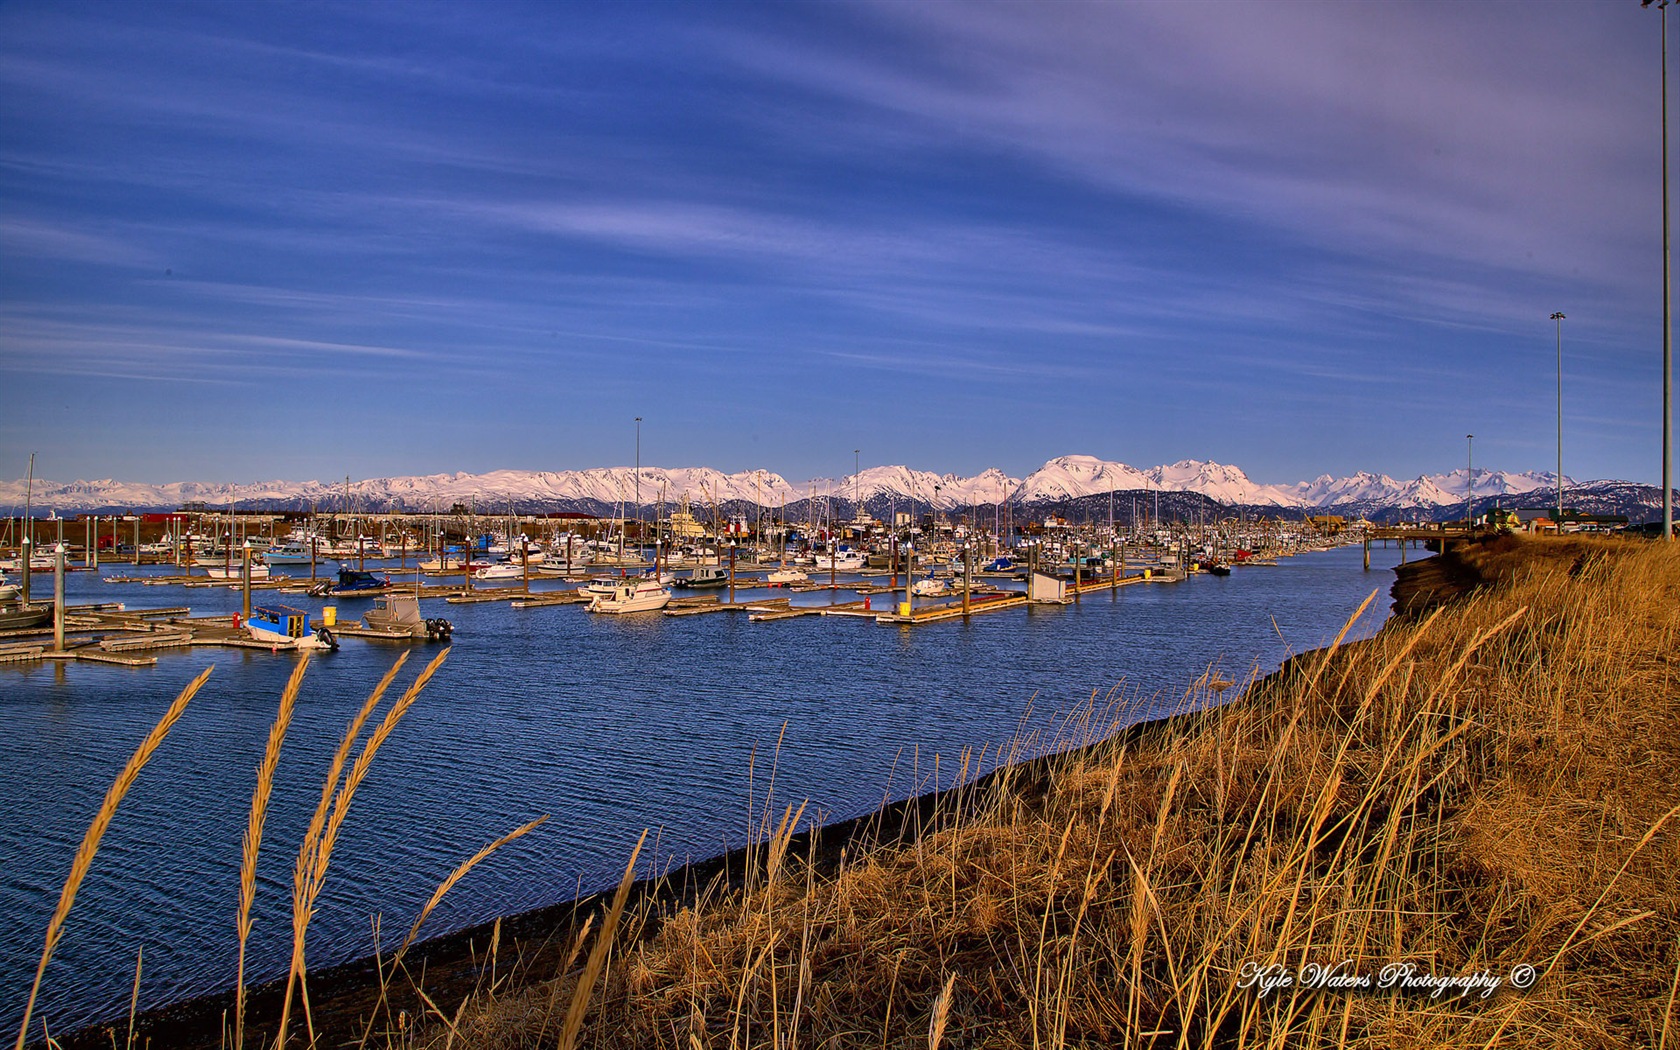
<point x="96" y="830"/>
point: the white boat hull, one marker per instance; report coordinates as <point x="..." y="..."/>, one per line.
<point x="638" y="596"/>
<point x="218" y="572"/>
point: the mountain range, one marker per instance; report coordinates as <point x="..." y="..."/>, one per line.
<point x="1078" y="482"/>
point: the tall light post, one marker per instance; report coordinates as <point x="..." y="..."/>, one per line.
<point x="1668" y="326"/>
<point x="1469" y="482"/>
<point x="1558" y="318"/>
<point x="638" y="486"/>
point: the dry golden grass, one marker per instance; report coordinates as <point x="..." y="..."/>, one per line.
<point x="96" y="831"/>
<point x="253" y="840"/>
<point x="1488" y="785"/>
<point x="1491" y="787"/>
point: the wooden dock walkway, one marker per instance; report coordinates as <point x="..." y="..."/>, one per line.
<point x="715" y="605"/>
<point x="544" y="599"/>
<point x="954" y="610"/>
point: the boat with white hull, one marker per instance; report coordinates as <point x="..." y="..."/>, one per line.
<point x="259" y="571"/>
<point x="287" y="628"/>
<point x="289" y="554"/>
<point x="628" y="596"/>
<point x="842" y="561"/>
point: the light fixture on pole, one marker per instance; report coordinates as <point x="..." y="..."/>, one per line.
<point x="1668" y="325"/>
<point x="1559" y="319"/>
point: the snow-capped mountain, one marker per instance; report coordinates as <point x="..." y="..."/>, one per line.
<point x="1062" y="480"/>
<point x="1070" y="477"/>
<point x="1224" y="483"/>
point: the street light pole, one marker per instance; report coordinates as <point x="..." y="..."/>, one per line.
<point x="857" y="492"/>
<point x="1558" y="318"/>
<point x="638" y="487"/>
<point x="1469" y="483"/>
<point x="1668" y="326"/>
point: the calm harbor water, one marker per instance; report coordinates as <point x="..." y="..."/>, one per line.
<point x="607" y="724"/>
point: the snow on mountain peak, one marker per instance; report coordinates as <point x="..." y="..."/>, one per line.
<point x="1063" y="478"/>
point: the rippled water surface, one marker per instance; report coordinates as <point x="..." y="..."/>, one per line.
<point x="608" y="724"/>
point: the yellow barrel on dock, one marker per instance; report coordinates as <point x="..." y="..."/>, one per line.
<point x="904" y="608"/>
<point x="329" y="616"/>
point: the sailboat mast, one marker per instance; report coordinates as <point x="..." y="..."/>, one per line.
<point x="28" y="531"/>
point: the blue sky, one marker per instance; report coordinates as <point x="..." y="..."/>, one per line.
<point x="249" y="241"/>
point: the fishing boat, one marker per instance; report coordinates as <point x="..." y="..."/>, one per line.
<point x="632" y="595"/>
<point x="284" y="626"/>
<point x="17" y="616"/>
<point x="401" y="612"/>
<point x="706" y="576"/>
<point x="351" y="583"/>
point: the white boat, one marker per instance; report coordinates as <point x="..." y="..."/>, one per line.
<point x="636" y="595"/>
<point x="786" y="576"/>
<point x="450" y="563"/>
<point x="287" y="628"/>
<point x="601" y="586"/>
<point x="842" y="561"/>
<point x="259" y="571"/>
<point x="288" y="554"/>
<point x="931" y="588"/>
<point x="501" y="571"/>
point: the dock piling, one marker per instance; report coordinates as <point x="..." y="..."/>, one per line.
<point x="968" y="579"/>
<point x="58" y="597"/>
<point x="23" y="561"/>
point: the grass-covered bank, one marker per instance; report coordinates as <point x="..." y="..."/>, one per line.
<point x="1487" y="784"/>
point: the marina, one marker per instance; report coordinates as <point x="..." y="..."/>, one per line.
<point x="85" y="629"/>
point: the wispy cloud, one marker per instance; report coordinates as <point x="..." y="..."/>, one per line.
<point x="1270" y="212"/>
<point x="26" y="238"/>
